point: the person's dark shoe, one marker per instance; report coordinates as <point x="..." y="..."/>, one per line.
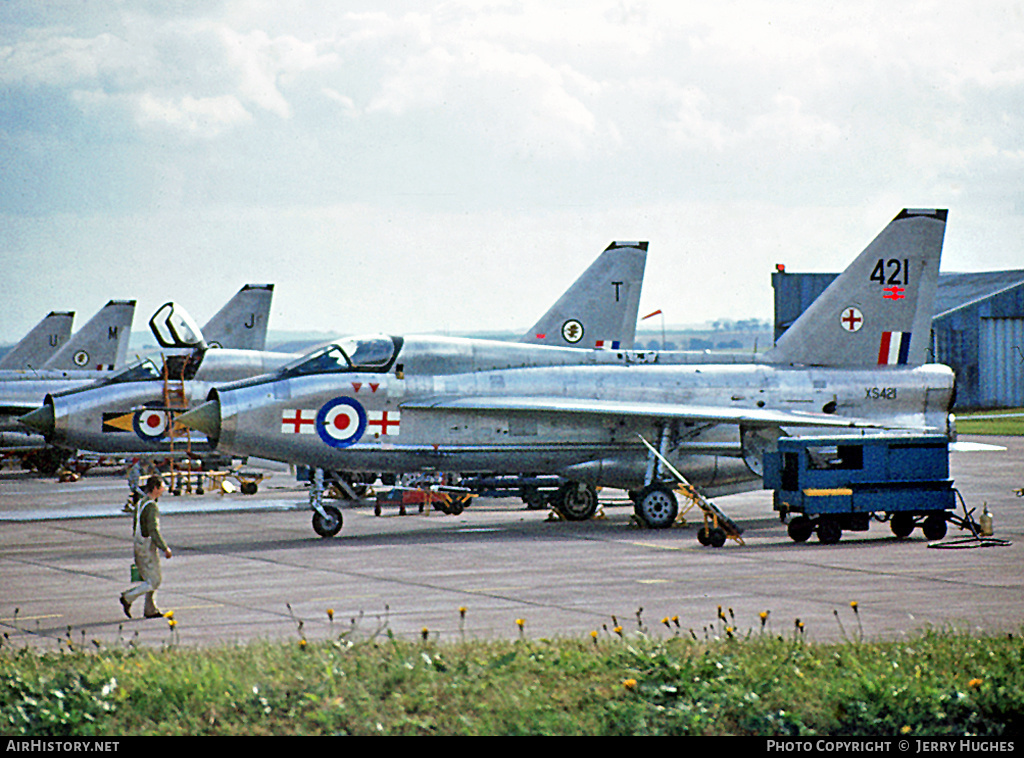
<point x="154" y="614"/>
<point x="126" y="606"/>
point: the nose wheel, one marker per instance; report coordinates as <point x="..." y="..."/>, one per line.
<point x="328" y="523"/>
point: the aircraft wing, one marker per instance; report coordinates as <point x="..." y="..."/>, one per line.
<point x="750" y="417"/>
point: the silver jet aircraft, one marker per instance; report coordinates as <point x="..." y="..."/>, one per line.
<point x="242" y="321"/>
<point x="854" y="360"/>
<point x="36" y="347"/>
<point x="129" y="412"/>
<point x="94" y="350"/>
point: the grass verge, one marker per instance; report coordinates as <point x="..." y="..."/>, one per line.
<point x="988" y="422"/>
<point x="760" y="683"/>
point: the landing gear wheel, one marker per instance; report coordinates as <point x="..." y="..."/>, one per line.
<point x="829" y="531"/>
<point x="249" y="488"/>
<point x="902" y="524"/>
<point x="656" y="506"/>
<point x="934" y="527"/>
<point x="800" y="529"/>
<point x="329" y="526"/>
<point x="576" y="501"/>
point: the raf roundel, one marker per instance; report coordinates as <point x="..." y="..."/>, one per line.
<point x="341" y="422"/>
<point x="150" y="424"/>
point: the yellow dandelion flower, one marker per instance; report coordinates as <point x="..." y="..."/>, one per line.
<point x="854" y="605"/>
<point x="424" y="633"/>
<point x="462" y="611"/>
<point x="302" y="644"/>
<point x="974" y="683"/>
<point x="330" y="614"/>
<point x="172" y="623"/>
<point x="906" y="729"/>
<point x="169" y="615"/>
<point x="593" y="636"/>
<point x="666" y="622"/>
<point x="618" y="630"/>
<point x="629" y="684"/>
<point x="520" y="623"/>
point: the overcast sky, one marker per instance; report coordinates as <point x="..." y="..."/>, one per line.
<point x="415" y="166"/>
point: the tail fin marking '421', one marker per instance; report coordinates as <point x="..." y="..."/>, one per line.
<point x="878" y="312"/>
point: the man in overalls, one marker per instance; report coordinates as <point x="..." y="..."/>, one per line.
<point x="148" y="545"/>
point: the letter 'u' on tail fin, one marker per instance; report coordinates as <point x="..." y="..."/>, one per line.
<point x="878" y="312"/>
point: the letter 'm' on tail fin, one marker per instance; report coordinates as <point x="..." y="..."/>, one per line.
<point x="40" y="344"/>
<point x="599" y="310"/>
<point x="879" y="310"/>
<point x="102" y="344"/>
<point x="242" y="322"/>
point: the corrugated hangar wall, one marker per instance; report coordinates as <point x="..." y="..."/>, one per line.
<point x="977" y="330"/>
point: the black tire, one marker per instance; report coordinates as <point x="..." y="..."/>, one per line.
<point x="702" y="537"/>
<point x="800" y="529"/>
<point x="656" y="506"/>
<point x="716" y="537"/>
<point x="829" y="531"/>
<point x="934" y="527"/>
<point x="249" y="488"/>
<point x="457" y="504"/>
<point x="330" y="526"/>
<point x="576" y="501"/>
<point x="902" y="524"/>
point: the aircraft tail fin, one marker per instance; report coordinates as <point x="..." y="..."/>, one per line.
<point x="242" y="322"/>
<point x="102" y="344"/>
<point x="600" y="309"/>
<point x="879" y="310"/>
<point x="39" y="345"/>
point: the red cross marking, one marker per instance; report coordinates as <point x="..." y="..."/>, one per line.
<point x="383" y="422"/>
<point x="851" y="319"/>
<point x="296" y="421"/>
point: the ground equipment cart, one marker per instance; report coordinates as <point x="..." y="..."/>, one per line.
<point x="825" y="485"/>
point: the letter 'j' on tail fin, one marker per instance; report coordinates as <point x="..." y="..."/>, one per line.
<point x="878" y="312"/>
<point x="599" y="310"/>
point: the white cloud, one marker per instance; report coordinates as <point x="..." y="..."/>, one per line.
<point x="206" y="117"/>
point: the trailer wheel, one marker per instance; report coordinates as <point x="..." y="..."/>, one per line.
<point x="576" y="501"/>
<point x="829" y="531"/>
<point x="716" y="537"/>
<point x="656" y="506"/>
<point x="934" y="527"/>
<point x="902" y="524"/>
<point x="800" y="529"/>
<point x="330" y="526"/>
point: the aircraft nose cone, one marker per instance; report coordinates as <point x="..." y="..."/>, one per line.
<point x="205" y="419"/>
<point x="41" y="419"/>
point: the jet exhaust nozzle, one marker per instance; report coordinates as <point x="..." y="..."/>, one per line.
<point x="205" y="419"/>
<point x="42" y="420"/>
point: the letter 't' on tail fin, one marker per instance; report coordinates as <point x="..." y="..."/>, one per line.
<point x="39" y="345"/>
<point x="242" y="322"/>
<point x="600" y="309"/>
<point x="879" y="310"/>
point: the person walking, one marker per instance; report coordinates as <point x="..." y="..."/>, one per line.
<point x="134" y="486"/>
<point x="148" y="545"/>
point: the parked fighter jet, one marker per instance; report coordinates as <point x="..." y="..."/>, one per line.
<point x="241" y="322"/>
<point x="36" y="347"/>
<point x="130" y="413"/>
<point x="96" y="348"/>
<point x="852" y="361"/>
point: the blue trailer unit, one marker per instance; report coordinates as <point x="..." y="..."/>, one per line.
<point x="828" y="484"/>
